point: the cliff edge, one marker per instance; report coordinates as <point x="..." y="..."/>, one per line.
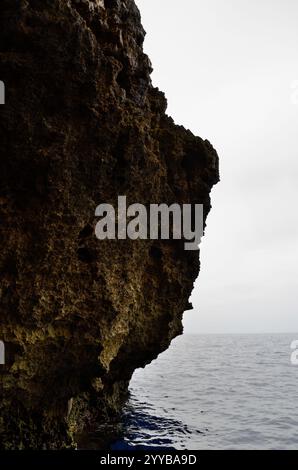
<point x="82" y="124"/>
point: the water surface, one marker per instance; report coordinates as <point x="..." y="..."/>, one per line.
<point x="216" y="392"/>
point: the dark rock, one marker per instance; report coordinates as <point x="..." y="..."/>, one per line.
<point x="81" y="125"/>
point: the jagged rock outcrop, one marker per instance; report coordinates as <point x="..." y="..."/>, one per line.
<point x="81" y="125"/>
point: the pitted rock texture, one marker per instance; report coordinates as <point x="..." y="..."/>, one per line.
<point x="81" y="125"/>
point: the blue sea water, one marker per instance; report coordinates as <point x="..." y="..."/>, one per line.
<point x="216" y="392"/>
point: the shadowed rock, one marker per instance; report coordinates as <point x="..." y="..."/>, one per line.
<point x="81" y="125"/>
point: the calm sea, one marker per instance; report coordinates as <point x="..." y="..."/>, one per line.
<point x="216" y="392"/>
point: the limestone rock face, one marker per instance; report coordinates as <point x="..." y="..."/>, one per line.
<point x="82" y="124"/>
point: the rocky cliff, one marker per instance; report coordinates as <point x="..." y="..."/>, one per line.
<point x="81" y="125"/>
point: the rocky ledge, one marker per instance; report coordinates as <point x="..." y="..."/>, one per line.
<point x="81" y="125"/>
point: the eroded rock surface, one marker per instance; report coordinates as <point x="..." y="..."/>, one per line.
<point x="81" y="125"/>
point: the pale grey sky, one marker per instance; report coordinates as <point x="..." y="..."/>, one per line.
<point x="227" y="67"/>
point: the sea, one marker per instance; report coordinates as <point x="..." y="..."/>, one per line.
<point x="215" y="392"/>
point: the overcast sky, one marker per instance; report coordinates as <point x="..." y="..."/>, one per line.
<point x="227" y="68"/>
